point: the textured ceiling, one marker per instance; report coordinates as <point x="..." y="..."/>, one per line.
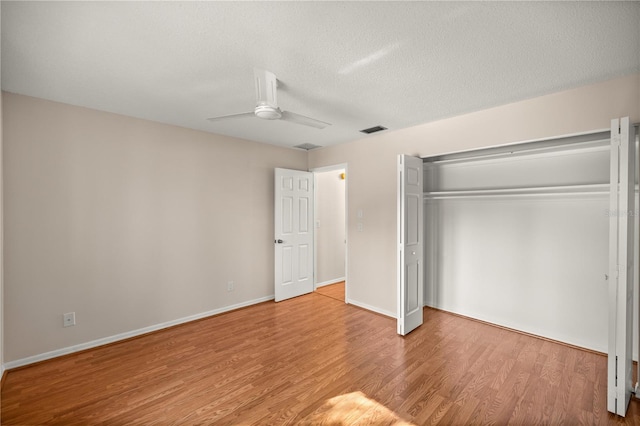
<point x="352" y="64"/>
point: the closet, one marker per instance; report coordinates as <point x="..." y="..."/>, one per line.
<point x="521" y="236"/>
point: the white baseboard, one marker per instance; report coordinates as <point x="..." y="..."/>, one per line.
<point x="127" y="335"/>
<point x="333" y="281"/>
<point x="372" y="308"/>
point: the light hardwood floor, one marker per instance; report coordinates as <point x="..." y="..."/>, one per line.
<point x="335" y="291"/>
<point x="316" y="360"/>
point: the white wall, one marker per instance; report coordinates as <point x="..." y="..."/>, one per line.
<point x="372" y="166"/>
<point x="330" y="227"/>
<point x="128" y="223"/>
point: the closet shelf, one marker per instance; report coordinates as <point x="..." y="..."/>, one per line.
<point x="597" y="189"/>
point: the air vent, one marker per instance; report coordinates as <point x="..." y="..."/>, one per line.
<point x="307" y="146"/>
<point x="373" y="129"/>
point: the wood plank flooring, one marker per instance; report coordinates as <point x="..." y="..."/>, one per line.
<point x="335" y="291"/>
<point x="316" y="360"/>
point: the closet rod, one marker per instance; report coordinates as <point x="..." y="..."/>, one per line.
<point x="598" y="189"/>
<point x="513" y="195"/>
<point x="591" y="189"/>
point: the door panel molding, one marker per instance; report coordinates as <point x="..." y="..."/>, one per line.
<point x="293" y="242"/>
<point x="410" y="244"/>
<point x="621" y="265"/>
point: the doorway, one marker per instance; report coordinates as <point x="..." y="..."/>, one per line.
<point x="330" y="220"/>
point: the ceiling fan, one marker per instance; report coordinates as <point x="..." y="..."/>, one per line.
<point x="267" y="103"/>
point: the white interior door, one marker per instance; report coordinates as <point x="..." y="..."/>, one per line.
<point x="293" y="233"/>
<point x="410" y="244"/>
<point x="621" y="265"/>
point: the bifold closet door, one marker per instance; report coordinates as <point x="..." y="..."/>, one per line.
<point x="621" y="265"/>
<point x="410" y="243"/>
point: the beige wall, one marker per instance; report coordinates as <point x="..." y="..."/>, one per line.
<point x="128" y="223"/>
<point x="131" y="223"/>
<point x="1" y="238"/>
<point x="1" y="251"/>
<point x="372" y="166"/>
<point x="330" y="226"/>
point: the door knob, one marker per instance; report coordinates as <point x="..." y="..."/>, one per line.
<point x="279" y="241"/>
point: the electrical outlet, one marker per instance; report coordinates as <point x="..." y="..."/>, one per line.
<point x="69" y="319"/>
<point x="230" y="286"/>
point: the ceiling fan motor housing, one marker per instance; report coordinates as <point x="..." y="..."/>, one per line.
<point x="267" y="112"/>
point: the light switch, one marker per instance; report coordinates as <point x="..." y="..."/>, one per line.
<point x="360" y="214"/>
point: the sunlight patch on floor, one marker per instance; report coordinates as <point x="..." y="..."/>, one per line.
<point x="354" y="409"/>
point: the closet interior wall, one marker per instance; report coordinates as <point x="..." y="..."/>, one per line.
<point x="518" y="236"/>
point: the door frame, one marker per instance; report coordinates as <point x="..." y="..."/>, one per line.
<point x="315" y="171"/>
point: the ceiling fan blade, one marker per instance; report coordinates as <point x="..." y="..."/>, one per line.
<point x="305" y="121"/>
<point x="224" y="117"/>
<point x="266" y="87"/>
